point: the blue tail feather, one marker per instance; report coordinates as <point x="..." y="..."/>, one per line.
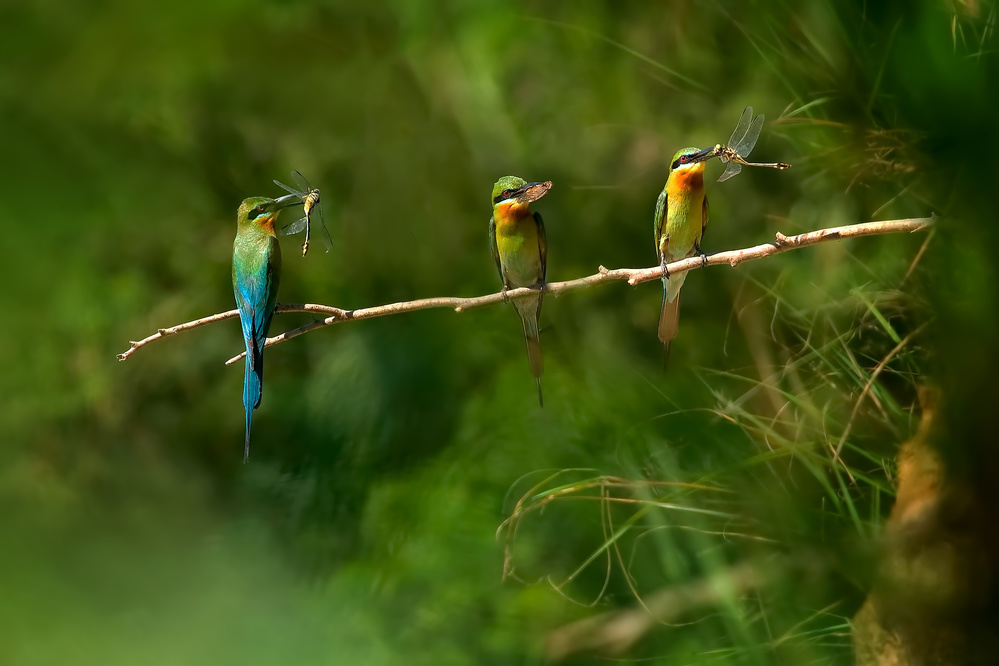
<point x="246" y="442"/>
<point x="253" y="376"/>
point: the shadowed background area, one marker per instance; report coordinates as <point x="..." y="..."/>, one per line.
<point x="387" y="453"/>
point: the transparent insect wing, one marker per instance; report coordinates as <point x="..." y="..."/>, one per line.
<point x="732" y="169"/>
<point x="748" y="142"/>
<point x="287" y="188"/>
<point x="302" y="183"/>
<point x="741" y="127"/>
<point x="327" y="239"/>
<point x="295" y="227"/>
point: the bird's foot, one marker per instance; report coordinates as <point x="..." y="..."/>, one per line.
<point x="704" y="257"/>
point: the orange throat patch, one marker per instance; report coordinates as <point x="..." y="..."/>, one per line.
<point x="509" y="214"/>
<point x="268" y="224"/>
<point x="688" y="179"/>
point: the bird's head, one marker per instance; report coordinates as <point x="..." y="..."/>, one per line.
<point x="262" y="211"/>
<point x="510" y="191"/>
<point x="687" y="167"/>
<point x="691" y="159"/>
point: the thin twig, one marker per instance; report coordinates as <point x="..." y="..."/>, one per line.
<point x="633" y="276"/>
<point x="614" y="632"/>
<point x="867" y="388"/>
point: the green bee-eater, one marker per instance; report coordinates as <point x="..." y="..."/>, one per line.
<point x="520" y="248"/>
<point x="681" y="216"/>
<point x="256" y="271"/>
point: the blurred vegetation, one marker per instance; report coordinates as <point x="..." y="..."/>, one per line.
<point x="387" y="453"/>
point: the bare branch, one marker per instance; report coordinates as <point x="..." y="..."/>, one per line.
<point x="633" y="276"/>
<point x="179" y="328"/>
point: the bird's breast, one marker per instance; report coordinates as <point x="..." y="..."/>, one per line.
<point x="684" y="221"/>
<point x="688" y="179"/>
<point x="518" y="247"/>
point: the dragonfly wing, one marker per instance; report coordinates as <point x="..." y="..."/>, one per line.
<point x="285" y="187"/>
<point x="300" y="180"/>
<point x="327" y="239"/>
<point x="295" y="227"/>
<point x="732" y="169"/>
<point x="748" y="142"/>
<point x="741" y="127"/>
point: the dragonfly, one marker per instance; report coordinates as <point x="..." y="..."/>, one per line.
<point x="741" y="143"/>
<point x="310" y="201"/>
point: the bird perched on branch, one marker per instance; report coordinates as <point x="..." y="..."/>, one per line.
<point x="520" y="249"/>
<point x="256" y="271"/>
<point x="681" y="217"/>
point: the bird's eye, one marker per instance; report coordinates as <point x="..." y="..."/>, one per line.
<point x="507" y="193"/>
<point x="261" y="208"/>
<point x="683" y="159"/>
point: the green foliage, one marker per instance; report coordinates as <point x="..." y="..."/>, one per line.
<point x="387" y="453"/>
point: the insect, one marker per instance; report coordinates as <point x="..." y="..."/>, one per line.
<point x="310" y="201"/>
<point x="741" y="143"/>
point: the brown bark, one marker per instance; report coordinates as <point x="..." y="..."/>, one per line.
<point x="930" y="603"/>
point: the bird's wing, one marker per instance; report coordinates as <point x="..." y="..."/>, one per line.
<point x="247" y="316"/>
<point x="543" y="250"/>
<point x="704" y="218"/>
<point x="494" y="248"/>
<point x="658" y="221"/>
<point x="253" y="296"/>
<point x="542" y="245"/>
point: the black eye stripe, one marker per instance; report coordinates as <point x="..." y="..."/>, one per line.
<point x="683" y="159"/>
<point x="504" y="195"/>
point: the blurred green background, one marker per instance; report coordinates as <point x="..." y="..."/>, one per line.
<point x="387" y="453"/>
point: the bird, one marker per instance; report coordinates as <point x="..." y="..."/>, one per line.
<point x="520" y="248"/>
<point x="256" y="272"/>
<point x="680" y="219"/>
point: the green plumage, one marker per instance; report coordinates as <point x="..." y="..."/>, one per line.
<point x="680" y="220"/>
<point x="519" y="246"/>
<point x="256" y="273"/>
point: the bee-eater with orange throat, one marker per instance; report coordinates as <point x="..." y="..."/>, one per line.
<point x="681" y="217"/>
<point x="520" y="248"/>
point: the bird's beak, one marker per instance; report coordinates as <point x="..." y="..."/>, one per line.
<point x="286" y="200"/>
<point x="702" y="155"/>
<point x="532" y="192"/>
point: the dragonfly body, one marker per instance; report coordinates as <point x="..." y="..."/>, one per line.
<point x="310" y="200"/>
<point x="519" y="246"/>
